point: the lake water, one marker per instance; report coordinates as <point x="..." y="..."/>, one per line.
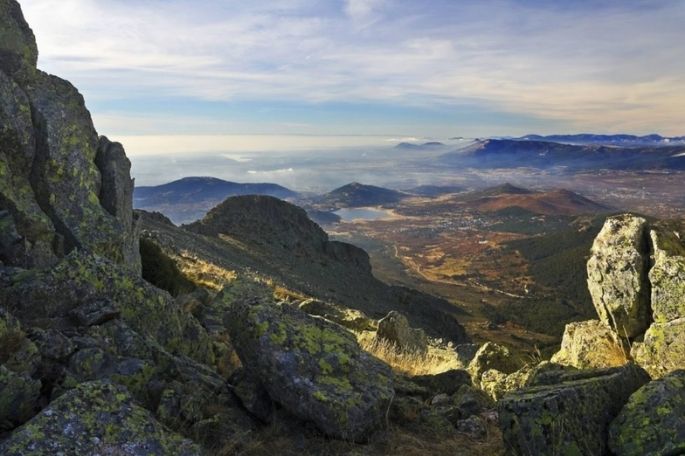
<point x="363" y="213"/>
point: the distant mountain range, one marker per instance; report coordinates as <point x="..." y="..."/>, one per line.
<point x="188" y="199"/>
<point x="619" y="140"/>
<point x="514" y="153"/>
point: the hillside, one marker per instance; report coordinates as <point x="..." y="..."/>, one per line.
<point x="555" y="202"/>
<point x="189" y="199"/>
<point x="509" y="153"/>
<point x="359" y="195"/>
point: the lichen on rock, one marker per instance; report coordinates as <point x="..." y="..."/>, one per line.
<point x="653" y="421"/>
<point x="590" y="345"/>
<point x="313" y="368"/>
<point x="96" y="418"/>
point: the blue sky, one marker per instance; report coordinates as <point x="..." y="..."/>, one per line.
<point x="395" y="68"/>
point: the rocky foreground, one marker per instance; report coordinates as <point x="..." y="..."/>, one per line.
<point x="97" y="360"/>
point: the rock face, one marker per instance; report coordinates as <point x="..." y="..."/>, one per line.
<point x="313" y="368"/>
<point x="617" y="275"/>
<point x="667" y="277"/>
<point x="568" y="417"/>
<point x="51" y="184"/>
<point x="653" y="420"/>
<point x="589" y="345"/>
<point x="395" y="328"/>
<point x="95" y="418"/>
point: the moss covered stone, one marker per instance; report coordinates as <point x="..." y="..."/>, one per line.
<point x="653" y="421"/>
<point x="570" y="417"/>
<point x="18" y="50"/>
<point x="617" y="275"/>
<point x="590" y="345"/>
<point x="312" y="367"/>
<point x="663" y="348"/>
<point x="95" y="418"/>
<point x="47" y="297"/>
<point x="667" y="276"/>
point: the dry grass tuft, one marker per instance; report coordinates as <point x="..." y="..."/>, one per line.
<point x="436" y="360"/>
<point x="204" y="273"/>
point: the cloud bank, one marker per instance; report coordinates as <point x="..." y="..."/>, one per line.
<point x="450" y="67"/>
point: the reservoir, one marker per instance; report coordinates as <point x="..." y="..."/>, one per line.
<point x="351" y="214"/>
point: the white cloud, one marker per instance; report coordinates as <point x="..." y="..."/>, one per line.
<point x="613" y="68"/>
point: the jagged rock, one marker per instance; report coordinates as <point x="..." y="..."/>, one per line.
<point x="95" y="418"/>
<point x="571" y="417"/>
<point x="349" y="318"/>
<point x="496" y="384"/>
<point x="32" y="236"/>
<point x="395" y="329"/>
<point x="667" y="277"/>
<point x="492" y="356"/>
<point x="45" y="298"/>
<point x="617" y="275"/>
<point x="448" y="382"/>
<point x="313" y="368"/>
<point x="589" y="345"/>
<point x="653" y="421"/>
<point x="18" y="50"/>
<point x="116" y="196"/>
<point x="19" y="395"/>
<point x="663" y="348"/>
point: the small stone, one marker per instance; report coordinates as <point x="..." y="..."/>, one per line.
<point x="95" y="312"/>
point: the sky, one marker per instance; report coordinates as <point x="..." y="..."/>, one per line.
<point x="160" y="74"/>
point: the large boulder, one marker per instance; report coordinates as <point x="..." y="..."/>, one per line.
<point x="667" y="276"/>
<point x="589" y="345"/>
<point x="617" y="275"/>
<point x="312" y="367"/>
<point x="395" y="329"/>
<point x="95" y="418"/>
<point x="663" y="348"/>
<point x="653" y="421"/>
<point x="569" y="417"/>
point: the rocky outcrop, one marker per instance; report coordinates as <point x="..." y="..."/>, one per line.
<point x="637" y="278"/>
<point x="653" y="421"/>
<point x="590" y="345"/>
<point x="571" y="416"/>
<point x="617" y="275"/>
<point x="83" y="289"/>
<point x="349" y="318"/>
<point x="51" y="184"/>
<point x="116" y="195"/>
<point x="395" y="329"/>
<point x="96" y="418"/>
<point x="313" y="368"/>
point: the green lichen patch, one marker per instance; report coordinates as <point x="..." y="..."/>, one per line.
<point x="95" y="418"/>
